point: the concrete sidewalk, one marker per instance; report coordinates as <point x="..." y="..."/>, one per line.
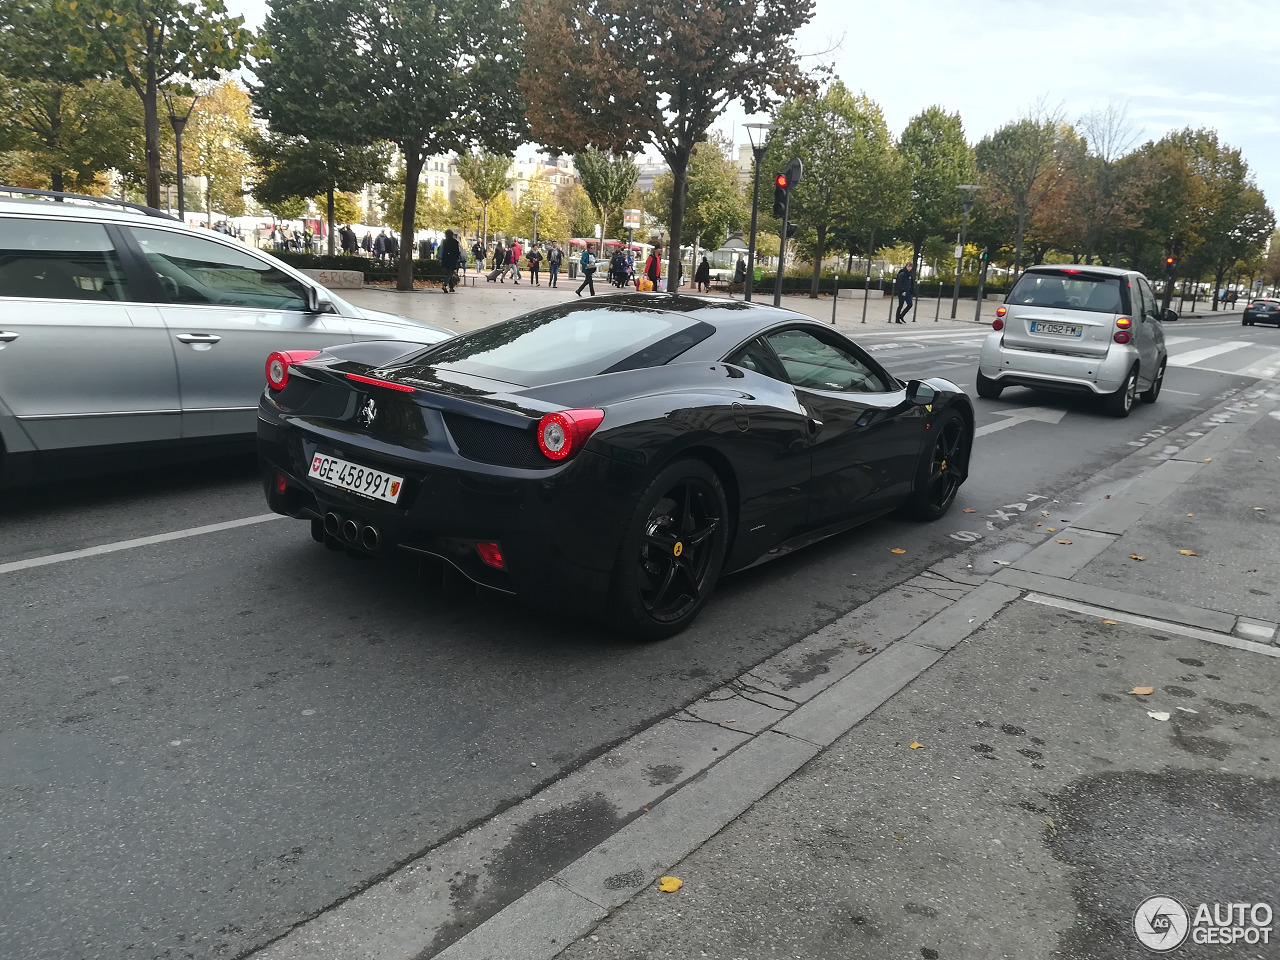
<point x="967" y="766"/>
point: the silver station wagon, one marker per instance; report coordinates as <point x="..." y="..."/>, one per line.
<point x="124" y="331"/>
<point x="1085" y="330"/>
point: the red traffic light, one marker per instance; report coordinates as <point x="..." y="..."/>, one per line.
<point x="781" y="181"/>
<point x="1169" y="261"/>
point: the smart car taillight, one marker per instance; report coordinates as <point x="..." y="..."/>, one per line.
<point x="1122" y="336"/>
<point x="1124" y="323"/>
<point x="1001" y="311"/>
<point x="997" y="323"/>
<point x="562" y="434"/>
<point x="278" y="365"/>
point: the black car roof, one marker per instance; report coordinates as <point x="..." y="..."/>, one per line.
<point x="730" y="317"/>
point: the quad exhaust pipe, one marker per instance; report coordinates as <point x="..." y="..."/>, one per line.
<point x="351" y="532"/>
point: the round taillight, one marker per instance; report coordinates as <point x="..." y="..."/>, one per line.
<point x="1122" y="336"/>
<point x="1124" y="323"/>
<point x="1001" y="311"/>
<point x="562" y="434"/>
<point x="279" y="362"/>
<point x="997" y="324"/>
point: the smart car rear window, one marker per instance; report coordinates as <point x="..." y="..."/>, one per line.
<point x="1069" y="291"/>
<point x="564" y="343"/>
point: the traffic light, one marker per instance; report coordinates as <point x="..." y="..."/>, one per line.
<point x="780" y="185"/>
<point x="1170" y="265"/>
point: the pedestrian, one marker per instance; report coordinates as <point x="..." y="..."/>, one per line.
<point x="653" y="267"/>
<point x="631" y="266"/>
<point x="478" y="252"/>
<point x="380" y="246"/>
<point x="702" y="276"/>
<point x="554" y="257"/>
<point x="367" y="244"/>
<point x="517" y="251"/>
<point x="393" y="247"/>
<point x="739" y="275"/>
<point x="535" y="263"/>
<point x="905" y="285"/>
<point x="588" y="264"/>
<point x="450" y="256"/>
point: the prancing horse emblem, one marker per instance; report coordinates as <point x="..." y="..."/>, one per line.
<point x="367" y="413"/>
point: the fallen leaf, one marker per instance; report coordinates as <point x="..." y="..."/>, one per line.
<point x="1053" y="829"/>
<point x="1190" y="514"/>
<point x="1158" y="715"/>
<point x="670" y="884"/>
<point x="1003" y="563"/>
<point x="1189" y="553"/>
<point x="898" y="836"/>
<point x="1044" y="513"/>
<point x="1052" y="529"/>
<point x="1143" y="691"/>
<point x="1063" y="541"/>
<point x="1110" y="622"/>
<point x="1208" y="459"/>
<point x="897" y="550"/>
<point x="1134" y="556"/>
<point x="1254" y="570"/>
<point x="1039" y="524"/>
<point x="916" y="746"/>
<point x="1188" y="710"/>
<point x="1260" y="508"/>
<point x="968" y="510"/>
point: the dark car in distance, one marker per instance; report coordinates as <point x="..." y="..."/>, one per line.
<point x="610" y="457"/>
<point x="1261" y="310"/>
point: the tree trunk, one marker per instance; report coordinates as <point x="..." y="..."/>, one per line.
<point x="413" y="162"/>
<point x="817" y="260"/>
<point x="56" y="181"/>
<point x="678" y="161"/>
<point x="151" y="124"/>
<point x="329" y="210"/>
<point x="1022" y="232"/>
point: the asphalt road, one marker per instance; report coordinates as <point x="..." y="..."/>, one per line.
<point x="212" y="738"/>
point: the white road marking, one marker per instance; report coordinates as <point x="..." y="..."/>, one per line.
<point x="1204" y="353"/>
<point x="1183" y="393"/>
<point x="1042" y="414"/>
<point x="130" y="544"/>
<point x="1267" y="367"/>
<point x="1174" y="341"/>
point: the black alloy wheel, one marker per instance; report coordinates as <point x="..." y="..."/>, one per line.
<point x="1120" y="403"/>
<point x="941" y="469"/>
<point x="672" y="551"/>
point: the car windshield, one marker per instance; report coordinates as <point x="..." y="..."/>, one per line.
<point x="1068" y="291"/>
<point x="567" y="343"/>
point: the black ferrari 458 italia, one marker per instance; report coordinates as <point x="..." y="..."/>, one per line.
<point x="614" y="456"/>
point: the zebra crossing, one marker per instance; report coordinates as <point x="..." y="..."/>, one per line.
<point x="1257" y="358"/>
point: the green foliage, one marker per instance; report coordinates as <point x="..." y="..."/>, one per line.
<point x="608" y="180"/>
<point x="938" y="159"/>
<point x="488" y="175"/>
<point x="714" y="204"/>
<point x="578" y="211"/>
<point x="552" y="222"/>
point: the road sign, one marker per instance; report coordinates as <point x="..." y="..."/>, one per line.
<point x="959" y="251"/>
<point x="631" y="219"/>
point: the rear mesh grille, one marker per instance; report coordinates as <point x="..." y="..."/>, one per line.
<point x="497" y="443"/>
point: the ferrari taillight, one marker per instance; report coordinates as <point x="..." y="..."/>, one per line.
<point x="562" y="434"/>
<point x="278" y="365"/>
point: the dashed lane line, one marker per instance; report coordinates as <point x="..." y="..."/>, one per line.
<point x="52" y="558"/>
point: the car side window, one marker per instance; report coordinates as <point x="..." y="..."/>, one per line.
<point x="50" y="259"/>
<point x="193" y="270"/>
<point x="757" y="356"/>
<point x="1149" y="301"/>
<point x="812" y="363"/>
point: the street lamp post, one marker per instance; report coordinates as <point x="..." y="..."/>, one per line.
<point x="758" y="135"/>
<point x="179" y="124"/>
<point x="967" y="190"/>
<point x="535" y="204"/>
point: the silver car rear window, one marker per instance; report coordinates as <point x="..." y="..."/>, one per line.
<point x="1068" y="291"/>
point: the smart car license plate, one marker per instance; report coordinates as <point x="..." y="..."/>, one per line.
<point x="1061" y="329"/>
<point x="356" y="479"/>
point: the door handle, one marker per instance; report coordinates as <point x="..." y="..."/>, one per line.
<point x="7" y="337"/>
<point x="198" y="338"/>
<point x="814" y="424"/>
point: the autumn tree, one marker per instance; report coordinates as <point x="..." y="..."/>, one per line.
<point x="851" y="171"/>
<point x="215" y="140"/>
<point x="658" y="73"/>
<point x="552" y="222"/>
<point x="608" y="181"/>
<point x="487" y="175"/>
<point x="578" y="212"/>
<point x="151" y="44"/>
<point x="431" y="79"/>
<point x="938" y="160"/>
<point x="298" y="167"/>
<point x="715" y="204"/>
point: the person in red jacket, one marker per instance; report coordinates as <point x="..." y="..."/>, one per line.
<point x="653" y="266"/>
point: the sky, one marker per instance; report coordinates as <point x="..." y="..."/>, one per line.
<point x="1168" y="64"/>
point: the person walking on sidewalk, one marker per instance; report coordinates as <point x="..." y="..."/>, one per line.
<point x="588" y="264"/>
<point x="535" y="264"/>
<point x="554" y="258"/>
<point x="702" y="276"/>
<point x="450" y="257"/>
<point x="905" y="284"/>
<point x="653" y="267"/>
<point x="478" y="252"/>
<point x="517" y="251"/>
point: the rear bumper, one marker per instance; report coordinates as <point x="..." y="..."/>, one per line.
<point x="558" y="534"/>
<point x="1056" y="371"/>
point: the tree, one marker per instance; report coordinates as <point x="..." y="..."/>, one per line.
<point x="852" y="173"/>
<point x="346" y="207"/>
<point x="298" y="167"/>
<point x="488" y="175"/>
<point x="552" y="222"/>
<point x="715" y="204"/>
<point x="288" y="208"/>
<point x="219" y="127"/>
<point x="608" y="181"/>
<point x="578" y="212"/>
<point x="464" y="211"/>
<point x="1019" y="165"/>
<point x="434" y="69"/>
<point x="938" y="160"/>
<point x="656" y="73"/>
<point x="151" y="44"/>
<point x="501" y="214"/>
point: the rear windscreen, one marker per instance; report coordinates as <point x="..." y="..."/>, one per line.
<point x="1068" y="291"/>
<point x="564" y="343"/>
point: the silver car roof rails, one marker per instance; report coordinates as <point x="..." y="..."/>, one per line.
<point x="109" y="201"/>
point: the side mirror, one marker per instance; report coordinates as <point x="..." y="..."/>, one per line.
<point x="921" y="393"/>
<point x="1168" y="316"/>
<point x="318" y="300"/>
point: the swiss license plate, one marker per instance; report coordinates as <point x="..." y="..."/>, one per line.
<point x="356" y="479"/>
<point x="1061" y="329"/>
